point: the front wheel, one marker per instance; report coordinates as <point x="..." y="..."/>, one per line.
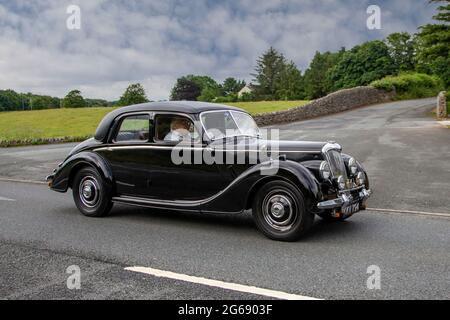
<point x="279" y="212"/>
<point x="90" y="193"/>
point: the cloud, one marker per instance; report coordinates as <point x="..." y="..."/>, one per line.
<point x="154" y="42"/>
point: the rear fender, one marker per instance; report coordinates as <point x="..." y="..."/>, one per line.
<point x="62" y="178"/>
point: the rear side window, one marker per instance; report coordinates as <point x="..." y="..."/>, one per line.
<point x="134" y="128"/>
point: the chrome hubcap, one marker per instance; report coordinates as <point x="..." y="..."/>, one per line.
<point x="89" y="191"/>
<point x="279" y="210"/>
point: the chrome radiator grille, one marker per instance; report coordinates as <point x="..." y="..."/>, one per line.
<point x="337" y="165"/>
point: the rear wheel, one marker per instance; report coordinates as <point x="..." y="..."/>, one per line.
<point x="279" y="211"/>
<point x="90" y="193"/>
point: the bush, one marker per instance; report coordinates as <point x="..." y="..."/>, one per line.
<point x="411" y="85"/>
<point x="248" y="96"/>
<point x="230" y="98"/>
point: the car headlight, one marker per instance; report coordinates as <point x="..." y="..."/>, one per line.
<point x="341" y="182"/>
<point x="352" y="166"/>
<point x="324" y="170"/>
<point x="360" y="179"/>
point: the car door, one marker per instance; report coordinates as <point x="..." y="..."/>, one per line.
<point x="126" y="153"/>
<point x="173" y="178"/>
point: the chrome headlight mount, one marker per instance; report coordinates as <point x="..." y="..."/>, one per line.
<point x="325" y="171"/>
<point x="352" y="166"/>
<point x="360" y="178"/>
<point x="341" y="182"/>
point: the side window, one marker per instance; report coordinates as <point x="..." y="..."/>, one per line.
<point x="134" y="128"/>
<point x="173" y="128"/>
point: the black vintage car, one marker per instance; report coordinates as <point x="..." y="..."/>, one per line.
<point x="210" y="158"/>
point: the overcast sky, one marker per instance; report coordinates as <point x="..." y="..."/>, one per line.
<point x="156" y="41"/>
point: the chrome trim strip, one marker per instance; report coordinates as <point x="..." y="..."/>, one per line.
<point x="111" y="148"/>
<point x="147" y="205"/>
<point x="180" y="203"/>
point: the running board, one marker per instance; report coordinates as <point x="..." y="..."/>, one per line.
<point x="191" y="206"/>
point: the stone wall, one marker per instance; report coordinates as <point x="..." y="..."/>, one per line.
<point x="335" y="102"/>
<point x="441" y="111"/>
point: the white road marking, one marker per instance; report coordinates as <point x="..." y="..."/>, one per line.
<point x="445" y="123"/>
<point x="6" y="199"/>
<point x="22" y="181"/>
<point x="220" y="284"/>
<point x="423" y="213"/>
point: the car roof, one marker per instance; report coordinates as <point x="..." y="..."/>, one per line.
<point x="191" y="107"/>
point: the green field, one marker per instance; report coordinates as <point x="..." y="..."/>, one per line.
<point x="40" y="126"/>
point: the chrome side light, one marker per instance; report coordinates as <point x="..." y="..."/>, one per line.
<point x="341" y="182"/>
<point x="352" y="166"/>
<point x="360" y="179"/>
<point x="324" y="170"/>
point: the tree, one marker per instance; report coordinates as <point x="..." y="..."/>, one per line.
<point x="44" y="102"/>
<point x="209" y="88"/>
<point x="134" y="94"/>
<point x="401" y="46"/>
<point x="290" y="86"/>
<point x="185" y="89"/>
<point x="97" y="103"/>
<point x="204" y="82"/>
<point x="205" y="89"/>
<point x="433" y="45"/>
<point x="268" y="70"/>
<point x="208" y="94"/>
<point x="315" y="80"/>
<point x="361" y="65"/>
<point x="74" y="99"/>
<point x="232" y="85"/>
<point x="10" y="100"/>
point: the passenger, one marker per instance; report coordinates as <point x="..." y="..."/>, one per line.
<point x="179" y="130"/>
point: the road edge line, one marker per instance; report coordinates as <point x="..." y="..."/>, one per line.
<point x="421" y="213"/>
<point x="21" y="181"/>
<point x="219" y="284"/>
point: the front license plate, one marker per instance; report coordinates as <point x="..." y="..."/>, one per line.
<point x="350" y="209"/>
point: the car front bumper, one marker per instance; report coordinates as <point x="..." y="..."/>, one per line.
<point x="348" y="202"/>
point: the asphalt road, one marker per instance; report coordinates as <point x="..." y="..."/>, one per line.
<point x="404" y="150"/>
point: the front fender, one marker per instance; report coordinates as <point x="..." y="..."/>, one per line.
<point x="61" y="179"/>
<point x="239" y="195"/>
<point x="302" y="177"/>
<point x="292" y="172"/>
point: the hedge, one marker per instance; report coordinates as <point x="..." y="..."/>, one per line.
<point x="411" y="85"/>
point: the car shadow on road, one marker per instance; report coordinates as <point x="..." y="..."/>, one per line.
<point x="241" y="221"/>
<point x="230" y="222"/>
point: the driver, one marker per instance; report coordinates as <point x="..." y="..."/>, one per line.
<point x="179" y="130"/>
